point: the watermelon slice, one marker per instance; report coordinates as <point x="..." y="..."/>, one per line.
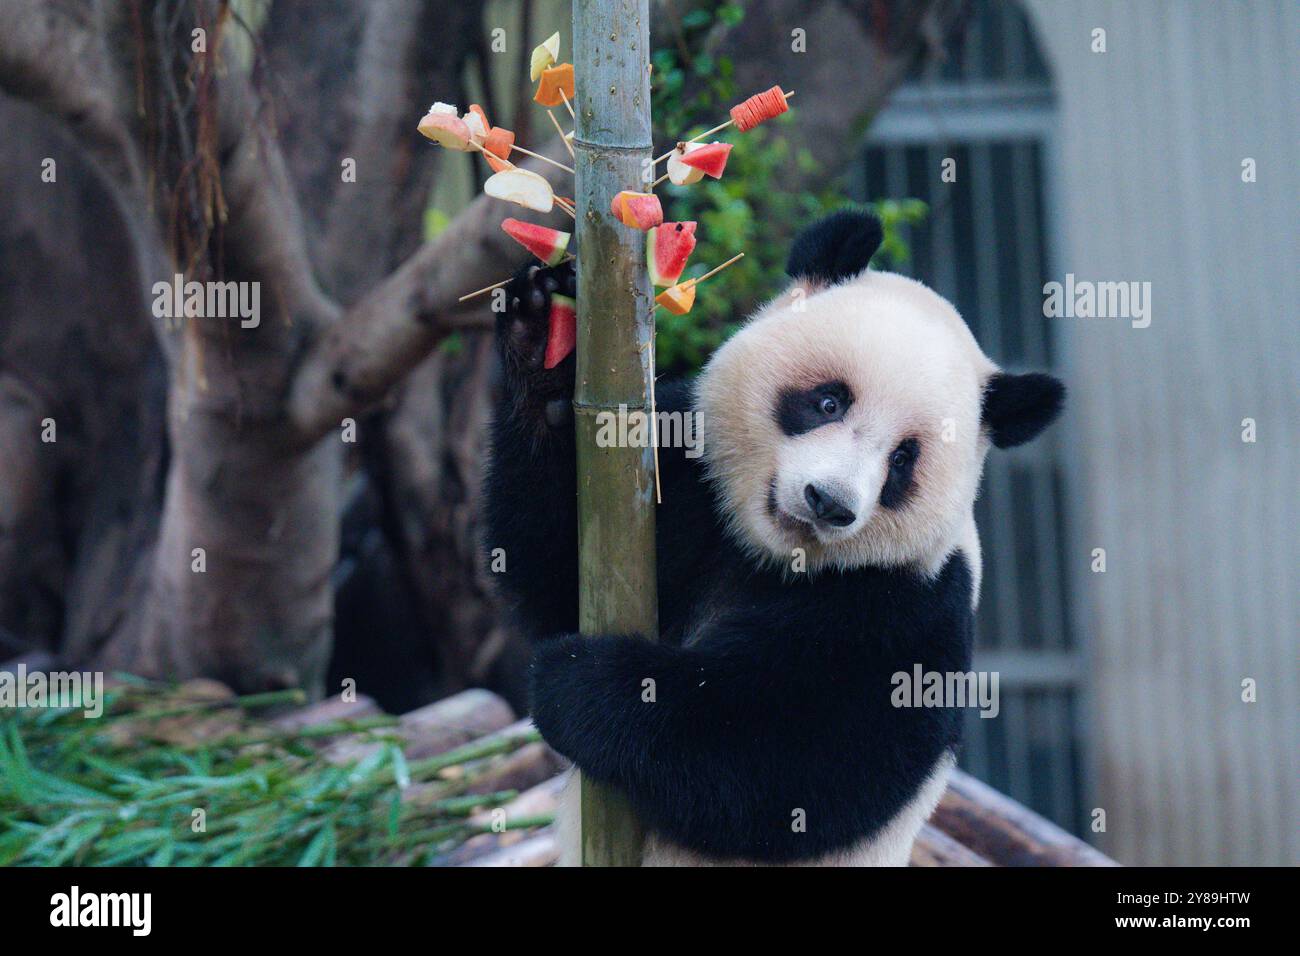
<point x="562" y="333"/>
<point x="545" y="243"/>
<point x="678" y="172"/>
<point x="638" y="210"/>
<point x="712" y="159"/>
<point x="666" y="250"/>
<point x="678" y="299"/>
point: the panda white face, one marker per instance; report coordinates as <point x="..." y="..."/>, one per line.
<point x="846" y="422"/>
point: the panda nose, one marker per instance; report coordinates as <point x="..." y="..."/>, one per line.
<point x="827" y="508"/>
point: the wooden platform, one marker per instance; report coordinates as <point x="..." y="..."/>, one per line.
<point x="974" y="824"/>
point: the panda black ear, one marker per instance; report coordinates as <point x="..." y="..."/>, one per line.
<point x="835" y="248"/>
<point x="1017" y="407"/>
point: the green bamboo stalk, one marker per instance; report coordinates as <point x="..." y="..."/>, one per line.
<point x="616" y="518"/>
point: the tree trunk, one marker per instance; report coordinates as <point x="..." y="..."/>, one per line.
<point x="205" y="435"/>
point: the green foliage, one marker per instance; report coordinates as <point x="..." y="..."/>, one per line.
<point x="752" y="209"/>
<point x="435" y="223"/>
<point x="122" y="789"/>
<point x="896" y="215"/>
<point x="745" y="211"/>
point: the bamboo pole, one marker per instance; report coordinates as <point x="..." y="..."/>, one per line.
<point x="616" y="516"/>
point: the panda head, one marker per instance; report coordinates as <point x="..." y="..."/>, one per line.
<point x="850" y="418"/>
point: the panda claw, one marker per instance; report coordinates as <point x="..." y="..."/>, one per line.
<point x="523" y="328"/>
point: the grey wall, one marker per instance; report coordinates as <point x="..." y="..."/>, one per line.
<point x="1199" y="527"/>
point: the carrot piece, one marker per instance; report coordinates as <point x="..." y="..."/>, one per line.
<point x="555" y="80"/>
<point x="499" y="142"/>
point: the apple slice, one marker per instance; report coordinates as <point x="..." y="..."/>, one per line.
<point x="543" y="56"/>
<point x="477" y="122"/>
<point x="638" y="210"/>
<point x="555" y="80"/>
<point x="680" y="174"/>
<point x="711" y="159"/>
<point x="666" y="250"/>
<point x="521" y="186"/>
<point x="545" y="243"/>
<point x="562" y="330"/>
<point x="678" y="299"/>
<point x="444" y="127"/>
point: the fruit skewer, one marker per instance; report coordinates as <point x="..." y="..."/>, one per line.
<point x="745" y="116"/>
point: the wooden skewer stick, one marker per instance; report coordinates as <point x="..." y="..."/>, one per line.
<point x="654" y="418"/>
<point x="567" y="145"/>
<point x="486" y="288"/>
<point x="545" y="159"/>
<point x="716" y="269"/>
<point x="712" y="272"/>
<point x="496" y="285"/>
<point x="707" y="132"/>
<point x="657" y="182"/>
<point x="568" y="106"/>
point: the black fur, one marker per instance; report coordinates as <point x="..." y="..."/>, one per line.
<point x="782" y="704"/>
<point x="837" y="248"/>
<point x="799" y="411"/>
<point x="771" y="695"/>
<point x="531" y="483"/>
<point x="899" y="479"/>
<point x="1017" y="407"/>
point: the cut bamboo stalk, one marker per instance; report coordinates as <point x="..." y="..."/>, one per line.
<point x="437" y="727"/>
<point x="616" y="510"/>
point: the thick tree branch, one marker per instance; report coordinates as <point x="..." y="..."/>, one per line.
<point x="857" y="52"/>
<point x="56" y="56"/>
<point x="398" y="322"/>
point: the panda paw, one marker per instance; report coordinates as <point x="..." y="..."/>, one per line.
<point x="524" y="327"/>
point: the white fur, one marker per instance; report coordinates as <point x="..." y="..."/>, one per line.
<point x="914" y="369"/>
<point x="892" y="846"/>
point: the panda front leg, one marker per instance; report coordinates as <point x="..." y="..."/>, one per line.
<point x="531" y="485"/>
<point x="695" y="737"/>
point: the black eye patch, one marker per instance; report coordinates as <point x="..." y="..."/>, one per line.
<point x="799" y="411"/>
<point x="898" y="478"/>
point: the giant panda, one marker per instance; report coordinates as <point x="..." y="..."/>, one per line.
<point x="823" y="542"/>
